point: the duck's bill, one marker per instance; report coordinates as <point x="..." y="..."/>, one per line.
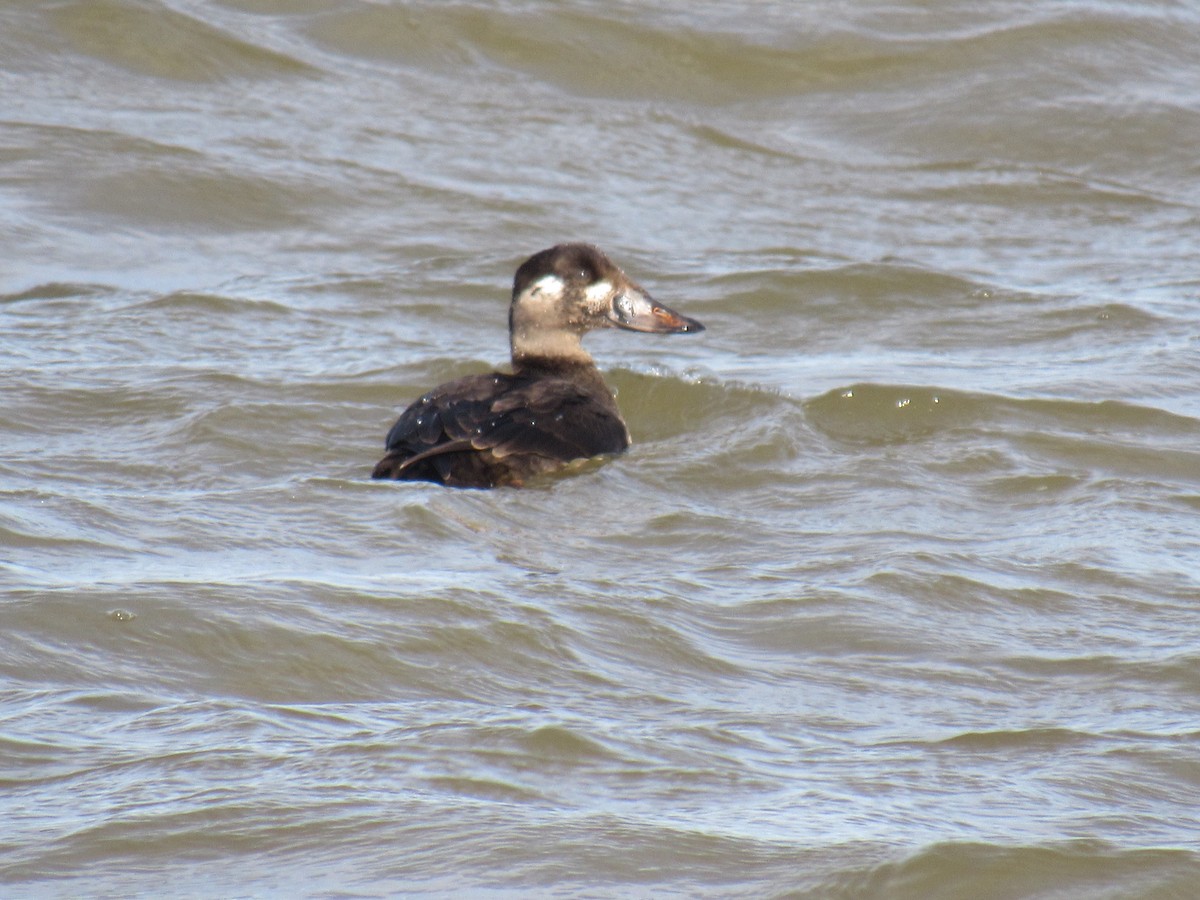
<point x="638" y="312"/>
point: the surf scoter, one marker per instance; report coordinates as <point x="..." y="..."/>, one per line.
<point x="498" y="429"/>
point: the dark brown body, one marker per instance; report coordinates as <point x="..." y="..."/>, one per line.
<point x="497" y="429"/>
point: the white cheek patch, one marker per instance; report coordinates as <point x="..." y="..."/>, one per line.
<point x="547" y="284"/>
<point x="597" y="294"/>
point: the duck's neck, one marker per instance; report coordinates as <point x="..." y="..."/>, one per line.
<point x="548" y="348"/>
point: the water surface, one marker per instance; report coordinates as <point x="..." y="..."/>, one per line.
<point x="895" y="595"/>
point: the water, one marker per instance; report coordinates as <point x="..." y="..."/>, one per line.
<point x="895" y="595"/>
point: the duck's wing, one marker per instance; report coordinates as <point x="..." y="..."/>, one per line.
<point x="554" y="418"/>
<point x="448" y="413"/>
<point x="486" y="428"/>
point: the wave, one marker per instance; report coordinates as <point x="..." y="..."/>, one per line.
<point x="153" y="39"/>
<point x="884" y="413"/>
<point x="1071" y="870"/>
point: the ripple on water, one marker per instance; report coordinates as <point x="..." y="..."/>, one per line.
<point x="152" y="39"/>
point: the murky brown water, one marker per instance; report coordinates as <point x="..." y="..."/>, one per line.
<point x="897" y="594"/>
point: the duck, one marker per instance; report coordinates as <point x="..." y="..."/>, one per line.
<point x="554" y="408"/>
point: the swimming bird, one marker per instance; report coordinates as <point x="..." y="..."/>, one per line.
<point x="484" y="431"/>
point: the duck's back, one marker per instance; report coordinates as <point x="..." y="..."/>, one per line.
<point x="488" y="430"/>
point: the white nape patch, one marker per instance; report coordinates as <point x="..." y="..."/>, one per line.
<point x="598" y="293"/>
<point x="547" y="284"/>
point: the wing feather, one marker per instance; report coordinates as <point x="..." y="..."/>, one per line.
<point x="509" y="425"/>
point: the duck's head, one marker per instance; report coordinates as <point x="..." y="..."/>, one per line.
<point x="569" y="289"/>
